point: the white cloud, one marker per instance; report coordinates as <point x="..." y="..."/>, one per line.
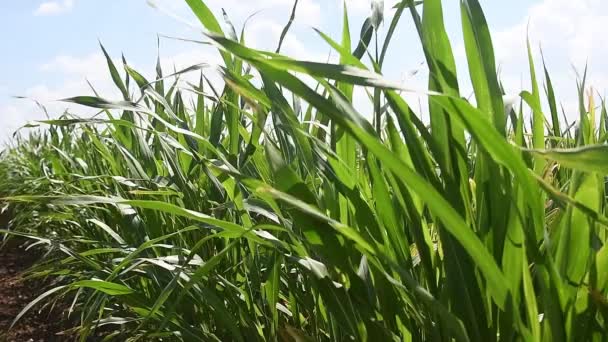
<point x="92" y="66"/>
<point x="570" y="33"/>
<point x="265" y="20"/>
<point x="576" y="28"/>
<point x="11" y="121"/>
<point x="309" y="11"/>
<point x="54" y="7"/>
<point x="265" y="35"/>
<point x="73" y="71"/>
<point x="361" y="9"/>
<point x="19" y="112"/>
<point x="357" y="6"/>
<point x="72" y="74"/>
<point x="183" y="60"/>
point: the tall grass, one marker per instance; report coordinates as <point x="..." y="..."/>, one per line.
<point x="271" y="209"/>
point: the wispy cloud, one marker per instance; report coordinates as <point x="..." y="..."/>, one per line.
<point x="54" y="7"/>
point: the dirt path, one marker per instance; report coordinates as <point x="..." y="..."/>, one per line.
<point x="15" y="294"/>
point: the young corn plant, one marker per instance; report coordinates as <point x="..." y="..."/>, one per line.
<point x="270" y="208"/>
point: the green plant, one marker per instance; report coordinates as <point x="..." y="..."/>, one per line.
<point x="273" y="210"/>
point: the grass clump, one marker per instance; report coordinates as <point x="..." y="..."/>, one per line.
<point x="271" y="209"/>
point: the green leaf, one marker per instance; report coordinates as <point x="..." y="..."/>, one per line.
<point x="108" y="288"/>
<point x="593" y="158"/>
<point x="206" y="17"/>
<point x="114" y="73"/>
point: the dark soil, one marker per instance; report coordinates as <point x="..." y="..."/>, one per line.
<point x="16" y="293"/>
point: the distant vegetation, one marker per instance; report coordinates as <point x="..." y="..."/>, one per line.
<point x="270" y="209"/>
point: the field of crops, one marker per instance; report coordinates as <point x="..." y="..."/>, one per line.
<point x="269" y="208"/>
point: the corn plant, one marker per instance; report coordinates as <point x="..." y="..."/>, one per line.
<point x="270" y="208"/>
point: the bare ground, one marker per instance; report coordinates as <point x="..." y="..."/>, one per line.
<point x="16" y="293"/>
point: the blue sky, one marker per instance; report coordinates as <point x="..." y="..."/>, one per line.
<point x="50" y="47"/>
